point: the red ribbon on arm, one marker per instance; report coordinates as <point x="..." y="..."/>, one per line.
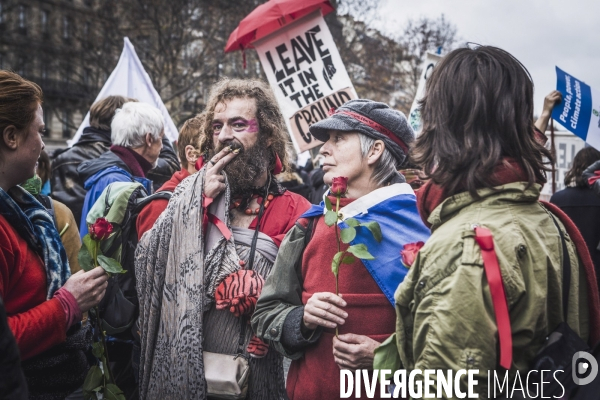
<point x="484" y="238"/>
<point x="208" y="217"/>
<point x="593" y="179"/>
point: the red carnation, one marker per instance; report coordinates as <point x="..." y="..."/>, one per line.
<point x="101" y="229"/>
<point x="339" y="185"/>
<point x="409" y="253"/>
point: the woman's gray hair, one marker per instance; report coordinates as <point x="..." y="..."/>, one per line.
<point x="386" y="166"/>
<point x="133" y="121"/>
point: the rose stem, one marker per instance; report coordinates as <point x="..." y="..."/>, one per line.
<point x="337" y="210"/>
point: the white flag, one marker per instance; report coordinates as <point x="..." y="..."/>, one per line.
<point x="129" y="79"/>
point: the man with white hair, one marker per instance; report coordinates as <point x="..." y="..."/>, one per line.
<point x="137" y="133"/>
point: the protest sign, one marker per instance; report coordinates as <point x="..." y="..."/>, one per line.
<point x="579" y="109"/>
<point x="129" y="79"/>
<point x="414" y="117"/>
<point x="307" y="74"/>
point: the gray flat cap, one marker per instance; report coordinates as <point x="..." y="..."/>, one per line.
<point x="373" y="119"/>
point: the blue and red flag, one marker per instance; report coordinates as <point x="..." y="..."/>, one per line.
<point x="394" y="207"/>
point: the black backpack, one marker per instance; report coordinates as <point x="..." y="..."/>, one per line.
<point x="118" y="310"/>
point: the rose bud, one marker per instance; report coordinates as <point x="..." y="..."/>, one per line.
<point x="101" y="229"/>
<point x="339" y="185"/>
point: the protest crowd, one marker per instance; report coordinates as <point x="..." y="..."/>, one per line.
<point x="218" y="267"/>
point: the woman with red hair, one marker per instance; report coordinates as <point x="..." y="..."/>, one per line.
<point x="44" y="303"/>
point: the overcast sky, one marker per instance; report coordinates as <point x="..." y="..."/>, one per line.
<point x="542" y="34"/>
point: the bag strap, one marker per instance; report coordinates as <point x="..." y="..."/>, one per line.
<point x="143" y="201"/>
<point x="249" y="267"/>
<point x="566" y="267"/>
<point x="485" y="239"/>
<point x="49" y="206"/>
<point x="106" y="203"/>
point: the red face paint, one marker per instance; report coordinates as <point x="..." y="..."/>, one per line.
<point x="237" y="125"/>
<point x="252" y="126"/>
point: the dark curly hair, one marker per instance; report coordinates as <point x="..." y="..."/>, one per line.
<point x="270" y="120"/>
<point x="583" y="159"/>
<point x="477" y="111"/>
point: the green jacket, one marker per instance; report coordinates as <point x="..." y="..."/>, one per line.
<point x="445" y="315"/>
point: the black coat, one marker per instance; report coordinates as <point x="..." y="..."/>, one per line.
<point x="66" y="185"/>
<point x="582" y="205"/>
<point x="12" y="380"/>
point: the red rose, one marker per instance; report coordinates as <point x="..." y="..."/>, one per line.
<point x="101" y="229"/>
<point x="339" y="185"/>
<point x="409" y="253"/>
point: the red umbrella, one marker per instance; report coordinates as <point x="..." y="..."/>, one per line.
<point x="269" y="17"/>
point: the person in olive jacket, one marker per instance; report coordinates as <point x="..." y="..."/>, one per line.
<point x="479" y="148"/>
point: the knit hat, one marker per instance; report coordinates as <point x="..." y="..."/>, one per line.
<point x="373" y="119"/>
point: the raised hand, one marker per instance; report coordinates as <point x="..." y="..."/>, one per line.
<point x="214" y="182"/>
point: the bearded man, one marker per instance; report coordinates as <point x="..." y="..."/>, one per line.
<point x="201" y="267"/>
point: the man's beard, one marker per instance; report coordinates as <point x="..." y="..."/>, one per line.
<point x="247" y="166"/>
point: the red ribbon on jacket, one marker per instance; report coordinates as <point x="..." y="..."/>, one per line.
<point x="484" y="238"/>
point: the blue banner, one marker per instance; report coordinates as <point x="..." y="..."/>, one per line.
<point x="576" y="112"/>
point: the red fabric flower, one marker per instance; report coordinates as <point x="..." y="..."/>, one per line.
<point x="339" y="185"/>
<point x="239" y="292"/>
<point x="101" y="229"/>
<point x="409" y="253"/>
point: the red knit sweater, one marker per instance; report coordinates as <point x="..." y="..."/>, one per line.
<point x="316" y="375"/>
<point x="38" y="324"/>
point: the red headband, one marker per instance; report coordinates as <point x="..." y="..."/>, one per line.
<point x="379" y="128"/>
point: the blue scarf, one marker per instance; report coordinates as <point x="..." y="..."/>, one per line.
<point x="35" y="225"/>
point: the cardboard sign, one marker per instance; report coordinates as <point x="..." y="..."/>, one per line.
<point x="306" y="73"/>
<point x="579" y="110"/>
<point x="414" y="117"/>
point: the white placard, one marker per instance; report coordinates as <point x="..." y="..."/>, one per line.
<point x="414" y="117"/>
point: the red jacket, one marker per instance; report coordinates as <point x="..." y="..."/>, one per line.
<point x="281" y="215"/>
<point x="37" y="324"/>
<point x="152" y="211"/>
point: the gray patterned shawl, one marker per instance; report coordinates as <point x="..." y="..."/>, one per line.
<point x="177" y="271"/>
